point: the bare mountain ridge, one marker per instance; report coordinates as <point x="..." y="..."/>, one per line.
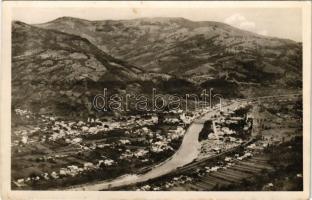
<point x="197" y="51"/>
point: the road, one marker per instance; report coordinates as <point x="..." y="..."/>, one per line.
<point x="187" y="152"/>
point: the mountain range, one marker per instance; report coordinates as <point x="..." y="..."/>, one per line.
<point x="63" y="63"/>
<point x="193" y="49"/>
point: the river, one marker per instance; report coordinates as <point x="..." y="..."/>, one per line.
<point x="187" y="152"/>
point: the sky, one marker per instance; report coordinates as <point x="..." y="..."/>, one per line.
<point x="282" y="22"/>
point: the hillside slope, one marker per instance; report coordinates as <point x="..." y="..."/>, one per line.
<point x="58" y="71"/>
<point x="197" y="51"/>
<point x="61" y="73"/>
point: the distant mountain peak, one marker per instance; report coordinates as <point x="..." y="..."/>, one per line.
<point x="162" y="19"/>
<point x="67" y="18"/>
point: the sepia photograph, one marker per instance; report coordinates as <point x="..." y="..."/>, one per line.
<point x="195" y="97"/>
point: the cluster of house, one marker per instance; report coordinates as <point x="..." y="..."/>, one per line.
<point x="221" y="133"/>
<point x="128" y="154"/>
<point x="227" y="162"/>
<point x="222" y="137"/>
<point x="148" y="188"/>
<point x="163" y="141"/>
<point x="74" y="170"/>
<point x="142" y="131"/>
<point x="23" y="113"/>
<point x="71" y="170"/>
<point x="247" y="154"/>
<point x="23" y="136"/>
<point x="157" y="142"/>
<point x="24" y="181"/>
<point x="212" y="147"/>
<point x="160" y="146"/>
<point x="258" y="146"/>
<point x="180" y="116"/>
<point x="177" y="180"/>
<point x="71" y="131"/>
<point x="177" y="133"/>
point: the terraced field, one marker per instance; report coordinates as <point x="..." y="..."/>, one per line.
<point x="240" y="170"/>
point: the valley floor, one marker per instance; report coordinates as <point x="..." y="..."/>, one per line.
<point x="228" y="150"/>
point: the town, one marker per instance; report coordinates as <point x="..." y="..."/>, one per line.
<point x="54" y="152"/>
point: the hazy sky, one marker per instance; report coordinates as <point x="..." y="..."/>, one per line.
<point x="279" y="22"/>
